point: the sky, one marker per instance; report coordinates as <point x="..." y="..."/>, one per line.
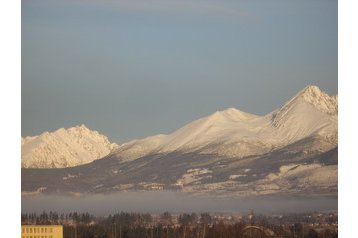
<point x="135" y="68"/>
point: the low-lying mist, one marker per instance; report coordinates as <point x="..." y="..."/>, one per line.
<point x="175" y="202"/>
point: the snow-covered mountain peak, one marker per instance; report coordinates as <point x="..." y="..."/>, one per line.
<point x="311" y="112"/>
<point x="81" y="127"/>
<point x="293" y="148"/>
<point x="230" y="114"/>
<point x="321" y="100"/>
<point x="311" y="90"/>
<point x="231" y="132"/>
<point x="64" y="147"/>
<point x="309" y="97"/>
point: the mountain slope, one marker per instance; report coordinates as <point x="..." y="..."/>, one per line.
<point x="310" y="113"/>
<point x="292" y="150"/>
<point x="233" y="133"/>
<point x="64" y="148"/>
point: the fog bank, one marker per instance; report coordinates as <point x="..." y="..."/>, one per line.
<point x="158" y="202"/>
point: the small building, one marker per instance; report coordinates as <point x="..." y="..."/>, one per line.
<point x="41" y="231"/>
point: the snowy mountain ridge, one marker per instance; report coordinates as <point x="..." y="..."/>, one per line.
<point x="233" y="133"/>
<point x="290" y="151"/>
<point x="64" y="148"/>
<point x="321" y="100"/>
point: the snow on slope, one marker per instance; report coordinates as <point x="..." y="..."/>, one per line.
<point x="64" y="148"/>
<point x="310" y="112"/>
<point x="233" y="133"/>
<point x="304" y="175"/>
<point x="138" y="148"/>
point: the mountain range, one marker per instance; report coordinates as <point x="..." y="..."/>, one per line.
<point x="291" y="150"/>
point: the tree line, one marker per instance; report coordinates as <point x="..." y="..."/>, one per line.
<point x="144" y="225"/>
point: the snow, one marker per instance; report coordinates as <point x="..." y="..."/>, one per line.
<point x="194" y="176"/>
<point x="290" y="178"/>
<point x="138" y="148"/>
<point x="70" y="176"/>
<point x="64" y="148"/>
<point x="124" y="187"/>
<point x="311" y="113"/>
<point x="236" y="176"/>
<point x="303" y="175"/>
<point x="36" y="192"/>
<point x="303" y="127"/>
<point x="322" y="101"/>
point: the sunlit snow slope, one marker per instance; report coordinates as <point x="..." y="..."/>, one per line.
<point x="290" y="151"/>
<point x="64" y="148"/>
<point x="310" y="114"/>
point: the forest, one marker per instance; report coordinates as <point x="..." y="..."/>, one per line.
<point x="186" y="225"/>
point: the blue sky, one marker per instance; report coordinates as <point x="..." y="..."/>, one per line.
<point x="131" y="69"/>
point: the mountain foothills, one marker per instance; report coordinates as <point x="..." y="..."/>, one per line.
<point x="64" y="148"/>
<point x="292" y="150"/>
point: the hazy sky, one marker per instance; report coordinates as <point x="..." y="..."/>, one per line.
<point x="131" y="69"/>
